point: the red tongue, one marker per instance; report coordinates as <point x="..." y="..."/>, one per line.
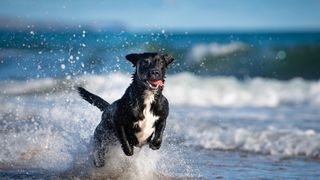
<point x="156" y="82"/>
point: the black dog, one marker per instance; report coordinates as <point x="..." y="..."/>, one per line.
<point x="139" y="117"/>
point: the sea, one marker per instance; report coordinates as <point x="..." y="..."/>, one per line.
<point x="243" y="105"/>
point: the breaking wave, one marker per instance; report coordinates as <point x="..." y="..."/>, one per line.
<point x="186" y="89"/>
<point x="270" y="140"/>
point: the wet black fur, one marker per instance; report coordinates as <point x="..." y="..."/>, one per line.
<point x="118" y="119"/>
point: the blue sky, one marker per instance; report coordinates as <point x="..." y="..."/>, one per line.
<point x="175" y="14"/>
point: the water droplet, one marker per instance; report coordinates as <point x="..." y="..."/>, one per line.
<point x="281" y="55"/>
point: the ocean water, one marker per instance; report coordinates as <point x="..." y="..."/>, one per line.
<point x="37" y="54"/>
<point x="222" y="125"/>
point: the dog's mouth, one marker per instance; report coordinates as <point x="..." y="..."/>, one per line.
<point x="155" y="84"/>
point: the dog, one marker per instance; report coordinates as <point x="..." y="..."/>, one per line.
<point x="139" y="116"/>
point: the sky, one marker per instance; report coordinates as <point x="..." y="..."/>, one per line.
<point x="174" y="14"/>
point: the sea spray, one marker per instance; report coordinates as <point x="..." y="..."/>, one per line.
<point x="168" y="162"/>
<point x="51" y="130"/>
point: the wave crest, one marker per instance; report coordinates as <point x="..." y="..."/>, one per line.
<point x="200" y="51"/>
<point x="187" y="89"/>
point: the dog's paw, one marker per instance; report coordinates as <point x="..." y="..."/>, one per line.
<point x="128" y="153"/>
<point x="155" y="144"/>
<point x="127" y="150"/>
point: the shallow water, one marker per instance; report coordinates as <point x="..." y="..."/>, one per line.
<point x="253" y="129"/>
<point x="205" y="164"/>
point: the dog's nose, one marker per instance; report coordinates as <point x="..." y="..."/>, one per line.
<point x="155" y="72"/>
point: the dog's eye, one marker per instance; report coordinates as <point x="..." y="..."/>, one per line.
<point x="145" y="62"/>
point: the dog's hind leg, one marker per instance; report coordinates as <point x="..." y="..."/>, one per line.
<point x="99" y="156"/>
<point x="104" y="137"/>
<point x="99" y="146"/>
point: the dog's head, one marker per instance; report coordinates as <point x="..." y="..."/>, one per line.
<point x="150" y="68"/>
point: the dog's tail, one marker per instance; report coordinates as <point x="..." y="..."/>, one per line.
<point x="93" y="99"/>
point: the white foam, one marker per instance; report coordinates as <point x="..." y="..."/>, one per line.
<point x="43" y="131"/>
<point x="143" y="164"/>
<point x="275" y="141"/>
<point x="276" y="131"/>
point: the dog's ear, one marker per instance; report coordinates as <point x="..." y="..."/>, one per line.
<point x="168" y="58"/>
<point x="133" y="58"/>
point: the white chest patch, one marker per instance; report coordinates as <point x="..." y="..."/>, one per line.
<point x="146" y="124"/>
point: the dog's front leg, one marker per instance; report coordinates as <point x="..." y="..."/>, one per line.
<point x="126" y="147"/>
<point x="156" y="141"/>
